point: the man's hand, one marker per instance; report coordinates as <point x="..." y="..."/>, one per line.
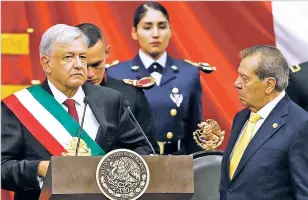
<point x="42" y="168"/>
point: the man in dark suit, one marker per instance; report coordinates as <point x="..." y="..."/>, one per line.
<point x="298" y="85"/>
<point x="266" y="156"/>
<point x="96" y="56"/>
<point x="39" y="121"/>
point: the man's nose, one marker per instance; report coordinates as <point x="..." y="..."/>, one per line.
<point x="237" y="83"/>
<point x="90" y="72"/>
<point x="78" y="63"/>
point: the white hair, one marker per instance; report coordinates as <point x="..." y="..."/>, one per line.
<point x="60" y="34"/>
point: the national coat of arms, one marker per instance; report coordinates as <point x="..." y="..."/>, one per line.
<point x="122" y="174"/>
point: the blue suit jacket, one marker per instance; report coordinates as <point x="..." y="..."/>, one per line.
<point x="275" y="163"/>
<point x="187" y="80"/>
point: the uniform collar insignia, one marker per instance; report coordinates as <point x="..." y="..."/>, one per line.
<point x="135" y="67"/>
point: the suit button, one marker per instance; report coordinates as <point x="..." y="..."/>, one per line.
<point x="229" y="191"/>
<point x="169" y="135"/>
<point x="173" y="112"/>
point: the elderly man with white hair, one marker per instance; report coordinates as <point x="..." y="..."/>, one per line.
<point x="40" y="121"/>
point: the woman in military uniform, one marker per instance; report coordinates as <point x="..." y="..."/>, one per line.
<point x="176" y="97"/>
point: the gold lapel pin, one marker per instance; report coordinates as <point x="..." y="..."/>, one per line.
<point x="135" y="67"/>
<point x="275" y="125"/>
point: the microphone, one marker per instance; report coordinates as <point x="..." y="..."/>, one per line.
<point x="85" y="100"/>
<point x="127" y="105"/>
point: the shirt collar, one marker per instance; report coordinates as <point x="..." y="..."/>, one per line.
<point x="60" y="97"/>
<point x="148" y="61"/>
<point x="267" y="109"/>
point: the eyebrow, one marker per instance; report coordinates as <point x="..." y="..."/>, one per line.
<point x="74" y="53"/>
<point x="242" y="74"/>
<point x="150" y="23"/>
<point x="95" y="64"/>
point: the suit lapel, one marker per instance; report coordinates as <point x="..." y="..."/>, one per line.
<point x="265" y="132"/>
<point x="97" y="108"/>
<point x="141" y="71"/>
<point x="236" y="130"/>
<point x="168" y="73"/>
<point x="46" y="87"/>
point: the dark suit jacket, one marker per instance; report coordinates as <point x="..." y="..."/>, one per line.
<point x="139" y="105"/>
<point x="298" y="86"/>
<point x="275" y="163"/>
<point x="21" y="152"/>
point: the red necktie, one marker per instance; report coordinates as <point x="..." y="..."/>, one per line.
<point x="70" y="103"/>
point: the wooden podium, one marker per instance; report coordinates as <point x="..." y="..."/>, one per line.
<point x="171" y="177"/>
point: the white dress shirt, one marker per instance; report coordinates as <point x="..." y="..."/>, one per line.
<point x="264" y="113"/>
<point x="148" y="61"/>
<point x="90" y="124"/>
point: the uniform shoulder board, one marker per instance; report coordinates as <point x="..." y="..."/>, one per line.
<point x="203" y="66"/>
<point x="143" y="83"/>
<point x="295" y="68"/>
<point x="114" y="63"/>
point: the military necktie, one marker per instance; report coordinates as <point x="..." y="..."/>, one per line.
<point x="243" y="143"/>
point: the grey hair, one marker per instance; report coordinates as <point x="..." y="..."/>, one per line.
<point x="272" y="64"/>
<point x="60" y="34"/>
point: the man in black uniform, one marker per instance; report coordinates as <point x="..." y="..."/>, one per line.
<point x="96" y="57"/>
<point x="298" y="85"/>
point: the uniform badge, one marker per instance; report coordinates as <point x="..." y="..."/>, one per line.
<point x="176" y="97"/>
<point x="144" y="83"/>
<point x="135" y="67"/>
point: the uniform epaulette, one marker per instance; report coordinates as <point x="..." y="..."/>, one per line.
<point x="114" y="63"/>
<point x="203" y="66"/>
<point x="143" y="83"/>
<point x="295" y="68"/>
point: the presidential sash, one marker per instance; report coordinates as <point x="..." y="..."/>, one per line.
<point x="47" y="120"/>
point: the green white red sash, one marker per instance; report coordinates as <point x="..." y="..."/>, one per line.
<point x="47" y="120"/>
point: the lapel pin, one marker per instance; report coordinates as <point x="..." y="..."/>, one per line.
<point x="275" y="125"/>
<point x="135" y="68"/>
<point x="175" y="68"/>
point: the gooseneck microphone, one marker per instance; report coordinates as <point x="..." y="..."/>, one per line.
<point x="85" y="100"/>
<point x="127" y="105"/>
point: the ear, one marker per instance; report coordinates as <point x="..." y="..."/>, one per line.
<point x="134" y="33"/>
<point x="107" y="52"/>
<point x="270" y="85"/>
<point x="45" y="62"/>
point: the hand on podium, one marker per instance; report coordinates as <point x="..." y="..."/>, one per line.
<point x="42" y="168"/>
